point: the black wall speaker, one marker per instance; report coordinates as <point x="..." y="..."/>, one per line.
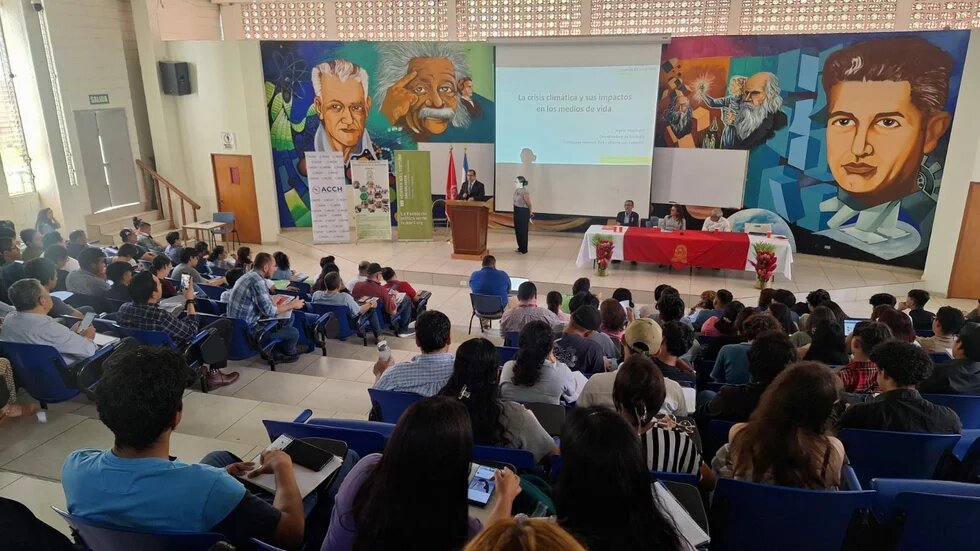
<point x="175" y="77"/>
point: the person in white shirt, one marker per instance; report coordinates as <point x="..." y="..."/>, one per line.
<point x="30" y="324"/>
<point x="362" y="268"/>
<point x="717" y="222"/>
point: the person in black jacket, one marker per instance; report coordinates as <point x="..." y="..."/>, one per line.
<point x="915" y="303"/>
<point x="962" y="375"/>
<point x="627" y="216"/>
<point x="473" y="189"/>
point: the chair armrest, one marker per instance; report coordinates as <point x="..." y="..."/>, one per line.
<point x="303" y="416"/>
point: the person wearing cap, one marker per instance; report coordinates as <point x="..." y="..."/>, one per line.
<point x="575" y="349"/>
<point x="373" y="287"/>
<point x="527" y="310"/>
<point x="362" y="275"/>
<point x="130" y="236"/>
<point x="643" y="337"/>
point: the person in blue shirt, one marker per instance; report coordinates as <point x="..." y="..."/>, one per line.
<point x="488" y="280"/>
<point x="137" y="484"/>
<point x="732" y="364"/>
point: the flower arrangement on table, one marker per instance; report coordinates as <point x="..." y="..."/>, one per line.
<point x="765" y="263"/>
<point x="603" y="252"/>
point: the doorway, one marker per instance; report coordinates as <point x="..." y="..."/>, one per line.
<point x="106" y="157"/>
<point x="964" y="281"/>
<point x="234" y="185"/>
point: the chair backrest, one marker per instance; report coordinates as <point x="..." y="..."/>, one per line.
<point x="212" y="307"/>
<point x="521" y="459"/>
<point x="486" y="304"/>
<point x="887" y="491"/>
<point x="217" y="272"/>
<point x="40" y="370"/>
<point x="342" y="314"/>
<point x="149" y="338"/>
<point x="936" y="521"/>
<point x="102" y="537"/>
<point x="683" y="478"/>
<point x="224" y="217"/>
<point x="885" y="454"/>
<point x="213" y="292"/>
<point x="361" y="440"/>
<point x="391" y="403"/>
<point x="794" y="518"/>
<point x="715" y="437"/>
<point x="263" y="546"/>
<point x="967" y="407"/>
<point x="506" y="353"/>
<point x="99" y="304"/>
<point x="301" y="287"/>
<point x="967" y="438"/>
<point x="551" y="416"/>
<point x="924" y="333"/>
<point x="511" y="338"/>
<point x="940" y="357"/>
<point x="241" y="342"/>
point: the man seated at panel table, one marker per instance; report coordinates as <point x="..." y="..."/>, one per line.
<point x="716" y="222"/>
<point x="900" y="407"/>
<point x="962" y="375"/>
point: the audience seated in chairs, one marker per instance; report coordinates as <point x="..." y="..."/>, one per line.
<point x="962" y="375"/>
<point x="827" y="346"/>
<point x="161" y="268"/>
<point x="732" y="364"/>
<point x="723" y="297"/>
<point x="915" y="303"/>
<point x="725" y="327"/>
<point x="130" y="236"/>
<point x="127" y="253"/>
<point x="608" y="348"/>
<point x="426" y="373"/>
<point x="283" y="270"/>
<point x="527" y="310"/>
<point x="189" y="262"/>
<point x="495" y="422"/>
<point x="414" y="495"/>
<point x="250" y="301"/>
<point x="219" y="259"/>
<point x="945" y="326"/>
<point x="91" y="278"/>
<point x="58" y="256"/>
<point x="54" y="239"/>
<point x="10" y="269"/>
<point x="603" y="495"/>
<point x="144" y="239"/>
<point x="521" y="533"/>
<point x="668" y="445"/>
<point x="392" y="308"/>
<point x="33" y="244"/>
<point x="77" y="242"/>
<point x="30" y="324"/>
<point x="768" y="355"/>
<point x="144" y="313"/>
<point x="174" y="246"/>
<point x="706" y="301"/>
<point x="860" y="375"/>
<point x="137" y="484"/>
<point x="643" y="337"/>
<point x="786" y="441"/>
<point x="362" y="275"/>
<point x="678" y="338"/>
<point x="535" y="374"/>
<point x="120" y="274"/>
<point x="231" y="278"/>
<point x="809" y="324"/>
<point x="900" y="407"/>
<point x="334" y="297"/>
<point x="576" y="350"/>
<point x="328" y="265"/>
<point x="488" y="280"/>
<point x="899" y="322"/>
<point x="44" y="271"/>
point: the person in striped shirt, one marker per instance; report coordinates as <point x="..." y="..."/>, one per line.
<point x="668" y="443"/>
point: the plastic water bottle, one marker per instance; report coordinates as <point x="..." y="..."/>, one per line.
<point x="384" y="351"/>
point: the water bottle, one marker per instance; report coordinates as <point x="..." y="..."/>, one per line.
<point x="384" y="351"/>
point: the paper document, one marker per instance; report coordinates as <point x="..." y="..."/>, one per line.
<point x="308" y="480"/>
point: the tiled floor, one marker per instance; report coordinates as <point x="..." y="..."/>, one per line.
<point x="31" y="453"/>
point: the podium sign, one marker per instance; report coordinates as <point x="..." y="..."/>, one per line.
<point x="469" y="227"/>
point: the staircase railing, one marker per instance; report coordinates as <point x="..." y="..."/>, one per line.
<point x="158" y="183"/>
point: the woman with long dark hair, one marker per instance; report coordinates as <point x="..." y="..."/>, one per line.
<point x="327" y="265"/>
<point x="46" y="222"/>
<point x="244" y="258"/>
<point x="603" y="495"/>
<point x="676" y="220"/>
<point x="495" y="422"/>
<point x="787" y="439"/>
<point x="819" y="315"/>
<point x="782" y="314"/>
<point x="522" y="213"/>
<point x="534" y="375"/>
<point x="899" y="322"/>
<point x="828" y="345"/>
<point x="219" y="259"/>
<point x="413" y="497"/>
<point x="717" y="326"/>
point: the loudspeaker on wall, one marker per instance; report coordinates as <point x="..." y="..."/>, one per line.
<point x="175" y="77"/>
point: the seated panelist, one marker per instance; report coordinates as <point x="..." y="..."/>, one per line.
<point x="627" y="217"/>
<point x="717" y="222"/>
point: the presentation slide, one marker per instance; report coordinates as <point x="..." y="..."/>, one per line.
<point x="576" y="115"/>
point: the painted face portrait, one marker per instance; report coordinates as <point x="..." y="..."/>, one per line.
<point x="342" y="108"/>
<point x="435" y="91"/>
<point x="876" y="138"/>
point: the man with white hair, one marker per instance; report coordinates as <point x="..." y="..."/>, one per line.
<point x="679" y="115"/>
<point x="717" y="222"/>
<point x="759" y="116"/>
<point x="342" y="104"/>
<point x="417" y="87"/>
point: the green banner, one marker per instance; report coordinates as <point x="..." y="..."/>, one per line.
<point x="413" y="177"/>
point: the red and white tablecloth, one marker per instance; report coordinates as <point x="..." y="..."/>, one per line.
<point x="724" y="250"/>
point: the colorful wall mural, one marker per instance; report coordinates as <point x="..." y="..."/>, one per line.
<point x="368" y="99"/>
<point x="847" y="132"/>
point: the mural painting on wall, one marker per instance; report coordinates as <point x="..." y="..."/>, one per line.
<point x="847" y="133"/>
<point x="369" y="99"/>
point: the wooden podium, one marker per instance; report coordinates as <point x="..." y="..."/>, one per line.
<point x="469" y="221"/>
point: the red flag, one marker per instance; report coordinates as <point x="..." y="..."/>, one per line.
<point x="451" y="182"/>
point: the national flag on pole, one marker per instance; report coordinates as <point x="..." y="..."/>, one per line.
<point x="451" y="181"/>
<point x="466" y="164"/>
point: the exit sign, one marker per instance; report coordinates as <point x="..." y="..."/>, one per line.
<point x="98" y="99"/>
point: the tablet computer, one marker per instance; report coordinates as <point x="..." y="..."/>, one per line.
<point x="849" y="325"/>
<point x="482" y="485"/>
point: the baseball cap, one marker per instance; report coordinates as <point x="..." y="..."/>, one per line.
<point x="374" y="268"/>
<point x="586" y="317"/>
<point x="646" y="333"/>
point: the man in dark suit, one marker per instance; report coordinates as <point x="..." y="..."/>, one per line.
<point x="628" y="217"/>
<point x="472" y="189"/>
